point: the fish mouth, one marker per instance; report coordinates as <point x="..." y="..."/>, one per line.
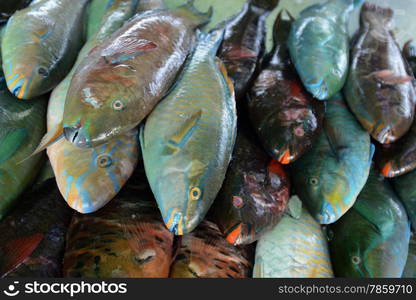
<point x="76" y="136"/>
<point x="18" y="87"/>
<point x="175" y="223"/>
<point x="327" y="215"/>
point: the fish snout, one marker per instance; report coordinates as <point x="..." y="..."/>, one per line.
<point x="76" y="136"/>
<point x="178" y="224"/>
<point x="327" y="214"/>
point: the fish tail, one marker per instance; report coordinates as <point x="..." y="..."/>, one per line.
<point x="267" y="5"/>
<point x="374" y="14"/>
<point x="281" y="28"/>
<point x="211" y="42"/>
<point x="195" y="16"/>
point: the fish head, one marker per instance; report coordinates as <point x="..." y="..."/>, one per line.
<point x="99" y="106"/>
<point x="89" y="178"/>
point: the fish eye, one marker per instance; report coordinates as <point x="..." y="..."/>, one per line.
<point x="195" y="193"/>
<point x="313" y="181"/>
<point x="356" y="260"/>
<point x="43" y="72"/>
<point x="118" y="105"/>
<point x="104" y="161"/>
<point x="238" y="202"/>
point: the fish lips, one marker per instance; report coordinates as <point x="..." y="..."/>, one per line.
<point x="77" y="136"/>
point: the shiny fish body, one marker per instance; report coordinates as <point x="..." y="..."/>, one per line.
<point x="22" y="125"/>
<point x="372" y="239"/>
<point x="330" y="176"/>
<point x="319" y="46"/>
<point x="254" y="195"/>
<point x="244" y="42"/>
<point x="405" y="188"/>
<point x="379" y="88"/>
<point x="410" y="269"/>
<point x="205" y="253"/>
<point x="90" y="178"/>
<point x="188" y="139"/>
<point x="33" y="235"/>
<point x="119" y="83"/>
<point x="295" y="248"/>
<point x="40" y="45"/>
<point x="126" y="239"/>
<point x="286" y="118"/>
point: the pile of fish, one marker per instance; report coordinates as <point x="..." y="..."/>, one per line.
<point x="182" y="153"/>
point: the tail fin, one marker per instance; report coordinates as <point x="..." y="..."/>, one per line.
<point x="195" y="16"/>
<point x="377" y="15"/>
<point x="267" y="5"/>
<point x="281" y="28"/>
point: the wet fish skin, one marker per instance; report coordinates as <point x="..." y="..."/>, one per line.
<point x="33" y="235"/>
<point x="286" y="118"/>
<point x="185" y="175"/>
<point x="371" y="240"/>
<point x="244" y="42"/>
<point x="37" y="58"/>
<point x="120" y="82"/>
<point x="410" y="269"/>
<point x="126" y="239"/>
<point x="295" y="248"/>
<point x="205" y="253"/>
<point x="404" y="187"/>
<point x="379" y="88"/>
<point x="330" y="176"/>
<point x="254" y="195"/>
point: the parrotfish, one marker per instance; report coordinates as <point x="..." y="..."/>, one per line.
<point x="286" y="118"/>
<point x="319" y="46"/>
<point x="187" y="141"/>
<point x="244" y="42"/>
<point x="295" y="248"/>
<point x="126" y="239"/>
<point x="90" y="178"/>
<point x="205" y="253"/>
<point x="330" y="176"/>
<point x="8" y="7"/>
<point x="33" y="235"/>
<point x="120" y="81"/>
<point x="379" y="88"/>
<point x="22" y="125"/>
<point x="40" y="45"/>
<point x="409" y="52"/>
<point x="372" y="239"/>
<point x="410" y="268"/>
<point x="254" y="195"/>
<point x="147" y="5"/>
<point x="405" y="188"/>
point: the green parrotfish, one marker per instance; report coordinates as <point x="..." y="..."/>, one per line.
<point x="40" y="45"/>
<point x="405" y="188"/>
<point x="188" y="139"/>
<point x="372" y="239"/>
<point x="319" y="46"/>
<point x="330" y="176"/>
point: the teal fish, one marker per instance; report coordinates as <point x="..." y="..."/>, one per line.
<point x="89" y="178"/>
<point x="295" y="248"/>
<point x="330" y="176"/>
<point x="372" y="238"/>
<point x="404" y="187"/>
<point x="40" y="45"/>
<point x="188" y="139"/>
<point x="410" y="269"/>
<point x="319" y="46"/>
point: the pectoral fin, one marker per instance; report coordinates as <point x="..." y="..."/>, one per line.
<point x="49" y="139"/>
<point x="10" y="141"/>
<point x="184" y="132"/>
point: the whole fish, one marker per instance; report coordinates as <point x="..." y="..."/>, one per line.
<point x="404" y="187"/>
<point x="409" y="52"/>
<point x="120" y="81"/>
<point x="22" y="125"/>
<point x="372" y="239"/>
<point x="33" y="235"/>
<point x="205" y="253"/>
<point x="126" y="239"/>
<point x="254" y="195"/>
<point x="147" y="5"/>
<point x="244" y="42"/>
<point x="188" y="139"/>
<point x="40" y="45"/>
<point x="379" y="88"/>
<point x="295" y="248"/>
<point x="330" y="176"/>
<point x="319" y="46"/>
<point x="410" y="268"/>
<point x="286" y="118"/>
<point x="90" y="178"/>
<point x="8" y="7"/>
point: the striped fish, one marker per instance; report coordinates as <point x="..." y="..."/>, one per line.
<point x="295" y="248"/>
<point x="205" y="253"/>
<point x="41" y="44"/>
<point x="126" y="239"/>
<point x="188" y="139"/>
<point x="330" y="176"/>
<point x="90" y="178"/>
